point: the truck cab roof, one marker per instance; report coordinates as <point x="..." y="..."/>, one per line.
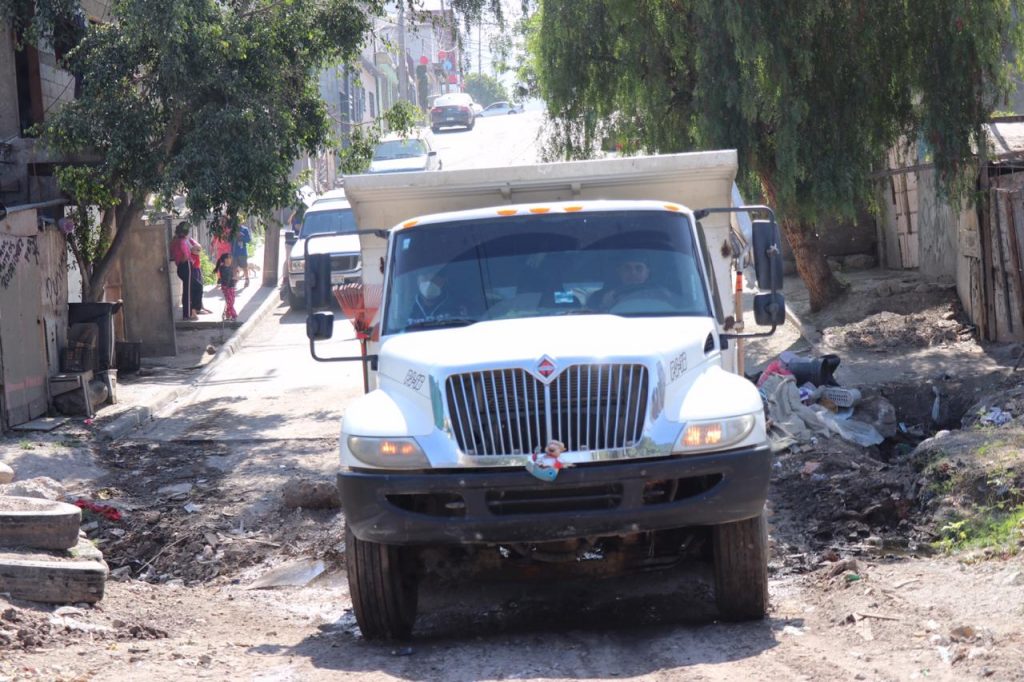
<point x="542" y="208"/>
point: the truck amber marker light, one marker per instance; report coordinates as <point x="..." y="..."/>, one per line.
<point x="390" y="448"/>
<point x="702" y="434"/>
<point x="507" y="211"/>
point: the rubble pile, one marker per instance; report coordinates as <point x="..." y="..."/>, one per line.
<point x="892" y="490"/>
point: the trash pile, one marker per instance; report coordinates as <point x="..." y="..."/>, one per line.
<point x="804" y="403"/>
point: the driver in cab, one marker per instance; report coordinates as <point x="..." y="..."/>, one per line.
<point x="434" y="302"/>
<point x="632" y="272"/>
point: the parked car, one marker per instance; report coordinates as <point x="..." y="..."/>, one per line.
<point x="501" y="108"/>
<point x="477" y="108"/>
<point x="455" y="109"/>
<point x="397" y="154"/>
<point x="330" y="213"/>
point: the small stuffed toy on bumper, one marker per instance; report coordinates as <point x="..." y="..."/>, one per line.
<point x="546" y="465"/>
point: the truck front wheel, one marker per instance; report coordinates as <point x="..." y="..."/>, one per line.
<point x="383" y="586"/>
<point x="741" y="568"/>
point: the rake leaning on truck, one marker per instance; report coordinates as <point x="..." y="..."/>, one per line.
<point x="584" y="396"/>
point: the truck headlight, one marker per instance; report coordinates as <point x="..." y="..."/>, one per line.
<point x="390" y="453"/>
<point x="714" y="434"/>
<point x="296" y="265"/>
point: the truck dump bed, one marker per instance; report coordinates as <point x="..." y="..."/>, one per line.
<point x="695" y="180"/>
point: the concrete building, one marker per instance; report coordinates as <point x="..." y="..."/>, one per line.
<point x="34" y="259"/>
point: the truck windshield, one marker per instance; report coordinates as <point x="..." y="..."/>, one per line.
<point x="321" y="222"/>
<point x="629" y="263"/>
<point x="399" y="149"/>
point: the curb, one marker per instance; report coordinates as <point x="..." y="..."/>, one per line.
<point x="134" y="417"/>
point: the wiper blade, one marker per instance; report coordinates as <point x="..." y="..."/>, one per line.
<point x="440" y="324"/>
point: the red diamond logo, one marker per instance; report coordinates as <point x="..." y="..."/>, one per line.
<point x="546" y="367"/>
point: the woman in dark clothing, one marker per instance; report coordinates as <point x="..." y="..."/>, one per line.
<point x="185" y="254"/>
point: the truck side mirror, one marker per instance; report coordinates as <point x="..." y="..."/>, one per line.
<point x="770" y="309"/>
<point x="320" y="326"/>
<point x="318" y="280"/>
<point x="767" y="255"/>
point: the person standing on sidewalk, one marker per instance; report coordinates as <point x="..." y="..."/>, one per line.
<point x="228" y="281"/>
<point x="185" y="253"/>
<point x="240" y="250"/>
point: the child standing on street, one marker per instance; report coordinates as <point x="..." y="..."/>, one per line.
<point x="226" y="274"/>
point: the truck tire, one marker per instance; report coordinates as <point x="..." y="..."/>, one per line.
<point x="741" y="568"/>
<point x="295" y="301"/>
<point x="382" y="583"/>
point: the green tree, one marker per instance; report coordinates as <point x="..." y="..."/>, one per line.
<point x="485" y="89"/>
<point x="199" y="98"/>
<point x="811" y="93"/>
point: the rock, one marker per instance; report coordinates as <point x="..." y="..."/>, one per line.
<point x="41" y="487"/>
<point x="860" y="261"/>
<point x="1014" y="578"/>
<point x="843" y="566"/>
<point x="878" y="412"/>
<point x="883" y="289"/>
<point x="6" y="473"/>
<point x="963" y="633"/>
<point x="176" y="490"/>
<point x="835" y="264"/>
<point x="310" y="493"/>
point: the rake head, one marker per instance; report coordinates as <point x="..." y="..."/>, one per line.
<point x="359" y="302"/>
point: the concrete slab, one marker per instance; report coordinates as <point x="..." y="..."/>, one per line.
<point x="44" y="424"/>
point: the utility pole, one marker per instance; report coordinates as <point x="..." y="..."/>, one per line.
<point x="403" y="73"/>
<point x="479" y="48"/>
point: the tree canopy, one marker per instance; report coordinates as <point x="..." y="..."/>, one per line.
<point x="811" y="93"/>
<point x="485" y="89"/>
<point x="209" y="100"/>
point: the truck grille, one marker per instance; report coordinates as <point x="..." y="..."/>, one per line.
<point x="510" y="412"/>
<point x="344" y="263"/>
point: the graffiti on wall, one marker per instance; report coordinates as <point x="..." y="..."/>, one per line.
<point x="13" y="251"/>
<point x="55" y="286"/>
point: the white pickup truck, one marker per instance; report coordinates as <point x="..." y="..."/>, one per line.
<point x="331" y="215"/>
<point x="555" y="375"/>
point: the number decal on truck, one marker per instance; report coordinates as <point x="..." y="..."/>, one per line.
<point x="414" y="380"/>
<point x="677" y="366"/>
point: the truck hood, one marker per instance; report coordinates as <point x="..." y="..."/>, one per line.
<point x="564" y="340"/>
<point x="686" y="383"/>
<point x="415" y="163"/>
<point x="341" y="243"/>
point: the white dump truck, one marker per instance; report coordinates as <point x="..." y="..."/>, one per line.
<point x="554" y="375"/>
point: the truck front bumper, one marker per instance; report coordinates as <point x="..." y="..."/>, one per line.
<point x="297" y="280"/>
<point x="472" y="506"/>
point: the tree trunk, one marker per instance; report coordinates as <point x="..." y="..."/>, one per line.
<point x="126" y="215"/>
<point x="811" y="265"/>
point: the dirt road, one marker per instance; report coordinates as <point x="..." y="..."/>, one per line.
<point x="858" y="591"/>
<point x="887" y="617"/>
